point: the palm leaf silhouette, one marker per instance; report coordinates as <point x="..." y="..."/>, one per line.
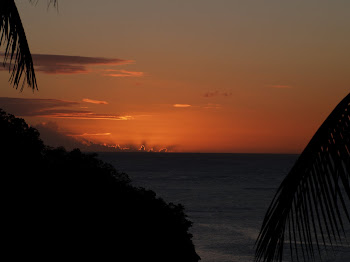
<point x="310" y="208"/>
<point x="17" y="55"/>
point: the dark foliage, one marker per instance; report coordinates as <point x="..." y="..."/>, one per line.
<point x="71" y="205"/>
<point x="310" y="208"/>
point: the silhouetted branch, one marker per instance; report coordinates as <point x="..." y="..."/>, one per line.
<point x="17" y="55"/>
<point x="17" y="49"/>
<point x="311" y="205"/>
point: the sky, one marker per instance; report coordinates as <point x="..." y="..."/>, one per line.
<point x="224" y="76"/>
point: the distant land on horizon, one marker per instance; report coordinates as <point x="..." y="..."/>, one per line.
<point x="52" y="136"/>
<point x="184" y="153"/>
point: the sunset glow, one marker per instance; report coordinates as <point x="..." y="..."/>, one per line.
<point x="184" y="76"/>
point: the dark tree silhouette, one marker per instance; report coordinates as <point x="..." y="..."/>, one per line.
<point x="310" y="208"/>
<point x="17" y="55"/>
<point x="60" y="205"/>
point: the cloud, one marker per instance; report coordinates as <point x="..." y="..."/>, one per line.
<point x="53" y="108"/>
<point x="124" y="73"/>
<point x="212" y="106"/>
<point x="87" y="134"/>
<point x="32" y="107"/>
<point x="205" y="106"/>
<point x="181" y="105"/>
<point x="54" y="136"/>
<point x="64" y="64"/>
<point x="216" y="93"/>
<point x="226" y="94"/>
<point x="87" y="100"/>
<point x="87" y="115"/>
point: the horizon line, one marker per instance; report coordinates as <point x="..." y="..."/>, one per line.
<point x="156" y="152"/>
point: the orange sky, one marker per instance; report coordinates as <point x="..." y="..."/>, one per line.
<point x="192" y="76"/>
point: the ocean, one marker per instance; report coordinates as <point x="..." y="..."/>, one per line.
<point x="225" y="195"/>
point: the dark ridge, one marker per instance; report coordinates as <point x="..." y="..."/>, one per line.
<point x="60" y="204"/>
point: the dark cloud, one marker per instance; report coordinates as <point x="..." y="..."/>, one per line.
<point x="64" y="64"/>
<point x="54" y="137"/>
<point x="226" y="94"/>
<point x="52" y="108"/>
<point x="32" y="107"/>
<point x="216" y="93"/>
<point x="64" y="69"/>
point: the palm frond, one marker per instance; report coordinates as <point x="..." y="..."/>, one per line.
<point x="310" y="208"/>
<point x="54" y="2"/>
<point x="17" y="56"/>
<point x="17" y="53"/>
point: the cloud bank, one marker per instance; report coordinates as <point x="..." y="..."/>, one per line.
<point x="53" y="108"/>
<point x="64" y="64"/>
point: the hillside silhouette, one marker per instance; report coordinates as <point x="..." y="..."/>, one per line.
<point x="60" y="204"/>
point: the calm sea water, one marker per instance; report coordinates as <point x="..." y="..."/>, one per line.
<point x="225" y="195"/>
